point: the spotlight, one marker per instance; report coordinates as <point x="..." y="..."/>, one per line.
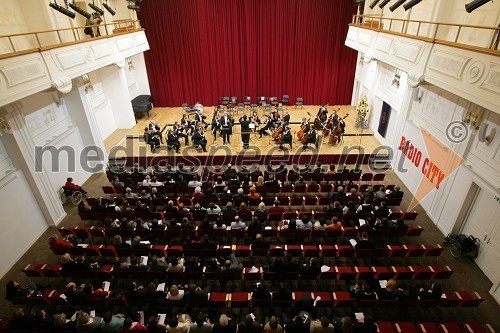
<point x="133" y="7"/>
<point x="62" y="9"/>
<point x="472" y="6"/>
<point x="109" y="9"/>
<point x="80" y="10"/>
<point x="373" y="4"/>
<point x="134" y="1"/>
<point x="396" y="5"/>
<point x="97" y="9"/>
<point x="411" y="3"/>
<point x="383" y="3"/>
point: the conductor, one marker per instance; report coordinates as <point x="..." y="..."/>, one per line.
<point x="245" y="131"/>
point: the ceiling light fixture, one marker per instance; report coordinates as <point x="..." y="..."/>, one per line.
<point x="108" y="8"/>
<point x="61" y="9"/>
<point x="411" y="3"/>
<point x="79" y="10"/>
<point x="383" y="3"/>
<point x="396" y="5"/>
<point x="373" y="4"/>
<point x="97" y="9"/>
<point x="472" y="6"/>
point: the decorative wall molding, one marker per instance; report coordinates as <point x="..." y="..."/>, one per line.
<point x="26" y="75"/>
<point x="415" y="79"/>
<point x="63" y="85"/>
<point x="474" y="76"/>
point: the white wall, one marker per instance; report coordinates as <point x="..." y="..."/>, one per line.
<point x="22" y="221"/>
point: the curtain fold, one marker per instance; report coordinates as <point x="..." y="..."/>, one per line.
<point x="202" y="50"/>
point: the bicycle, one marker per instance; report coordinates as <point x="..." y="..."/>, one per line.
<point x="462" y="244"/>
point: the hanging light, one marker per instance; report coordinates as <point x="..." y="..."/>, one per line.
<point x="62" y="10"/>
<point x="108" y="8"/>
<point x="383" y="3"/>
<point x="97" y="9"/>
<point x="396" y="5"/>
<point x="411" y="3"/>
<point x="79" y="10"/>
<point x="373" y="4"/>
<point x="472" y="6"/>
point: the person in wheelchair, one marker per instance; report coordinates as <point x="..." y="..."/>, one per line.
<point x="71" y="187"/>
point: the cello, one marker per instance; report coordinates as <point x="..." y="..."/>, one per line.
<point x="303" y="128"/>
<point x="336" y="132"/>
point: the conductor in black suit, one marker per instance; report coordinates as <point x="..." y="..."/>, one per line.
<point x="226" y="128"/>
<point x="245" y="131"/>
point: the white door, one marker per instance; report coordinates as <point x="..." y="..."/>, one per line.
<point x="483" y="222"/>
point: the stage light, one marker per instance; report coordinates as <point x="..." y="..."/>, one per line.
<point x="410" y="4"/>
<point x="97" y="9"/>
<point x="109" y="9"/>
<point x="373" y="4"/>
<point x="472" y="6"/>
<point x="396" y="5"/>
<point x="133" y="7"/>
<point x="383" y="3"/>
<point x="80" y="10"/>
<point x="62" y="9"/>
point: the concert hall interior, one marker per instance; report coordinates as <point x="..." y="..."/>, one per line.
<point x="248" y="166"/>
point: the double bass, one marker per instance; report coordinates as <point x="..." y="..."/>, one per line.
<point x="277" y="132"/>
<point x="321" y="117"/>
<point x="336" y="132"/>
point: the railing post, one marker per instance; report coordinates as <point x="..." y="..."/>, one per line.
<point x="38" y="41"/>
<point x="12" y="44"/>
<point x="59" y="36"/>
<point x="435" y="32"/>
<point x="458" y="33"/>
<point x="74" y="35"/>
<point x="418" y="29"/>
<point x="106" y="29"/>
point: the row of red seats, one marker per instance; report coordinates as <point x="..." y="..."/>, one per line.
<point x="333" y="273"/>
<point x="389" y="251"/>
<point x="243" y="300"/>
<point x="312" y="215"/>
<point x="291" y="177"/>
<point x="427" y="327"/>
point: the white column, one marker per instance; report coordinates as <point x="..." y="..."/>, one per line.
<point x="48" y="200"/>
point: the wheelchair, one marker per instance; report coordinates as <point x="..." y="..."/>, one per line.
<point x="462" y="244"/>
<point x="70" y="195"/>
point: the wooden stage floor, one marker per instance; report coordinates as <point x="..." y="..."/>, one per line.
<point x="126" y="142"/>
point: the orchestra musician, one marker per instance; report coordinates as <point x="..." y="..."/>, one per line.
<point x="306" y="126"/>
<point x="323" y="113"/>
<point x="179" y="129"/>
<point x="226" y="127"/>
<point x="173" y="141"/>
<point x="311" y="138"/>
<point x="200" y="117"/>
<point x="199" y="138"/>
<point x="215" y="125"/>
<point x="152" y="139"/>
<point x="255" y="120"/>
<point x="245" y="131"/>
<point x="341" y="124"/>
<point x="266" y="129"/>
<point x="286" y="118"/>
<point x="334" y="118"/>
<point x="186" y="124"/>
<point x="154" y="128"/>
<point x="276" y="119"/>
<point x="286" y="137"/>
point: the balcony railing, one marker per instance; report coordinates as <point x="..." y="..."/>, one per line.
<point x="30" y="42"/>
<point x="473" y="37"/>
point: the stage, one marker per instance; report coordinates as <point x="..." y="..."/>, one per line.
<point x="358" y="143"/>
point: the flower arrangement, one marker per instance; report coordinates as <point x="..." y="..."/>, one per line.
<point x="362" y="110"/>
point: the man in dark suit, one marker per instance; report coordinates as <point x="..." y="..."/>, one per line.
<point x="173" y="141"/>
<point x="226" y="128"/>
<point x="199" y="139"/>
<point x="286" y="118"/>
<point x="245" y="131"/>
<point x="287" y="137"/>
<point x="179" y="130"/>
<point x="397" y="193"/>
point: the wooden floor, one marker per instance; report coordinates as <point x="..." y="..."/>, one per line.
<point x="125" y="142"/>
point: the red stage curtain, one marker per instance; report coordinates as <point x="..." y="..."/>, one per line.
<point x="205" y="49"/>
